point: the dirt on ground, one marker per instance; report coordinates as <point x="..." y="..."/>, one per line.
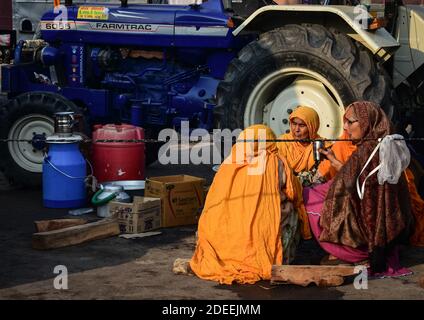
<point x="117" y="268"/>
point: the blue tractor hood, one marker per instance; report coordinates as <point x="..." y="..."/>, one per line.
<point x="151" y="25"/>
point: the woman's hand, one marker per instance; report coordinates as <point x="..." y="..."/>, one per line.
<point x="329" y="154"/>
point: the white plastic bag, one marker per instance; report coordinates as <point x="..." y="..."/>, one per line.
<point x="394" y="159"/>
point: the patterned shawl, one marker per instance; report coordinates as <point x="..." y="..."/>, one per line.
<point x="383" y="217"/>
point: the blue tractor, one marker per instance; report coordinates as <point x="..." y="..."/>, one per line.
<point x="215" y="63"/>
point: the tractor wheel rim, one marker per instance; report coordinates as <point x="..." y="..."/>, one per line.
<point x="23" y="153"/>
<point x="279" y="93"/>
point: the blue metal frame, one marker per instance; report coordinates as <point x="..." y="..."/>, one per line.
<point x="196" y="45"/>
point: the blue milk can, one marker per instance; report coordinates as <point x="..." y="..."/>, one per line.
<point x="64" y="172"/>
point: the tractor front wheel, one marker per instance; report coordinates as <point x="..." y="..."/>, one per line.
<point x="299" y="65"/>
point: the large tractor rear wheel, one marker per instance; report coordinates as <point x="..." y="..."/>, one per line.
<point x="27" y="117"/>
<point x="299" y="65"/>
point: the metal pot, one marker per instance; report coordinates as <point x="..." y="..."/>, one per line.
<point x="132" y="187"/>
<point x="64" y="123"/>
<point x="107" y="193"/>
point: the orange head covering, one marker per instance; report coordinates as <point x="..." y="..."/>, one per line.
<point x="256" y="137"/>
<point x="299" y="156"/>
<point x="310" y="117"/>
<point x="239" y="235"/>
<point x="258" y="131"/>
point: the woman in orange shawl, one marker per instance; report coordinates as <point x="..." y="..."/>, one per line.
<point x="253" y="195"/>
<point x="304" y="124"/>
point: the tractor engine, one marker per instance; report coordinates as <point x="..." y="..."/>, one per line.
<point x="152" y="87"/>
<point x="145" y="87"/>
<point x="149" y="65"/>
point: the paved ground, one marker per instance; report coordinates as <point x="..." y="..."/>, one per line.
<point x="116" y="268"/>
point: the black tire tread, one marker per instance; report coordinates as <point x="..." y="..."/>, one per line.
<point x="367" y="79"/>
<point x="45" y="103"/>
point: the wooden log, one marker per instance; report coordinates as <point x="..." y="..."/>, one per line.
<point x="55" y="224"/>
<point x="421" y="282"/>
<point x="74" y="235"/>
<point x="323" y="276"/>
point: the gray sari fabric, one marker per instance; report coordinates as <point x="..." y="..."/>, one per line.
<point x="290" y="225"/>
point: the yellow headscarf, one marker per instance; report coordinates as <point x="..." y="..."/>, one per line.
<point x="244" y="151"/>
<point x="300" y="157"/>
<point x="239" y="236"/>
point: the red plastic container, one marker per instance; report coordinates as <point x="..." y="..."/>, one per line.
<point x="114" y="161"/>
<point x="6" y="15"/>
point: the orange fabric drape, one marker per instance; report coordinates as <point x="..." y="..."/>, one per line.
<point x="239" y="237"/>
<point x="342" y="150"/>
<point x="299" y="156"/>
<point x="417" y="206"/>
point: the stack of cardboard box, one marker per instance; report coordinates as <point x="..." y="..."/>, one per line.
<point x="169" y="201"/>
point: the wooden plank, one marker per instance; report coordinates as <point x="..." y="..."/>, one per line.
<point x="55" y="224"/>
<point x="74" y="235"/>
<point x="322" y="276"/>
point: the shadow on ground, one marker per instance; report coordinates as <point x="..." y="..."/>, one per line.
<point x="22" y="264"/>
<point x="117" y="268"/>
<point x="264" y="291"/>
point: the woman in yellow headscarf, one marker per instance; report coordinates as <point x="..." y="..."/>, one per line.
<point x="304" y="124"/>
<point x="249" y="208"/>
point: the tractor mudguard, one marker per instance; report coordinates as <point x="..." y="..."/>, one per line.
<point x="345" y="18"/>
<point x="410" y="55"/>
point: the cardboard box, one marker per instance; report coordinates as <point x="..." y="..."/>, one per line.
<point x="182" y="198"/>
<point x="143" y="214"/>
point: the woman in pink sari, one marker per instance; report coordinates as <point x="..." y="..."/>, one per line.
<point x="348" y="228"/>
